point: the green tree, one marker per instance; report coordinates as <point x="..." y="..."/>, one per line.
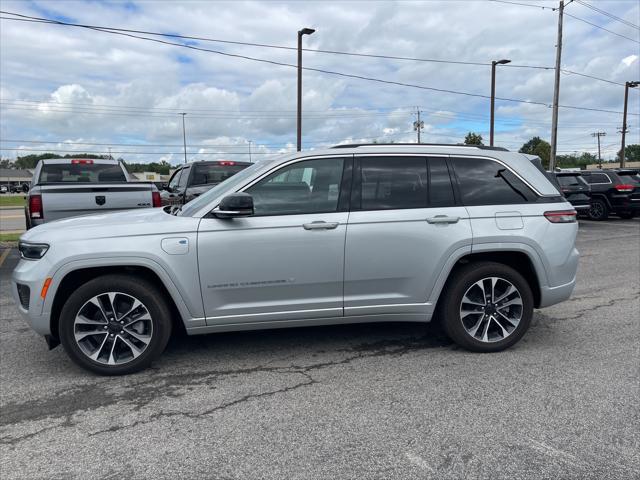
<point x="539" y="147"/>
<point x="575" y="160"/>
<point x="473" y="138"/>
<point x="631" y="153"/>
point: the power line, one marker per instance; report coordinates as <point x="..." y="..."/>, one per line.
<point x="346" y="75"/>
<point x="29" y="18"/>
<point x="608" y="14"/>
<point x="525" y="4"/>
<point x="601" y="28"/>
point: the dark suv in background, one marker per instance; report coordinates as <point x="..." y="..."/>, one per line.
<point x="576" y="190"/>
<point x="613" y="191"/>
<point x="195" y="178"/>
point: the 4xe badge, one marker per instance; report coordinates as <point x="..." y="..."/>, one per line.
<point x="100" y="199"/>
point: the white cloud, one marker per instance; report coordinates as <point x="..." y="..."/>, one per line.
<point x="231" y="101"/>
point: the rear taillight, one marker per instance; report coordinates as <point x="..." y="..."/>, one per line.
<point x="155" y="199"/>
<point x="226" y="163"/>
<point x="624" y="188"/>
<point x="561" y="216"/>
<point x="35" y="206"/>
<point x="81" y="161"/>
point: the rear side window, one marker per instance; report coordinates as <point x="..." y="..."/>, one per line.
<point x="81" y="173"/>
<point x="389" y="183"/>
<point x="595" y="178"/>
<point x="485" y="182"/>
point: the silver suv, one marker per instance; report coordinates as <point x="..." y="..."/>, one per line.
<point x="473" y="236"/>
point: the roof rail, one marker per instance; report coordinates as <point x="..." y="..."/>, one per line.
<point x="481" y="147"/>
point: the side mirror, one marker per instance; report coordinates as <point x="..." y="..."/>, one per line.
<point x="165" y="186"/>
<point x="235" y="205"/>
<point x="25" y="188"/>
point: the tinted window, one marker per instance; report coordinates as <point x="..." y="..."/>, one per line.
<point x="311" y="186"/>
<point x="598" y="178"/>
<point x="485" y="182"/>
<point x="393" y="182"/>
<point x="81" y="172"/>
<point x="173" y="183"/>
<point x="569" y="180"/>
<point x="629" y="177"/>
<point x="184" y="178"/>
<point x="440" y="188"/>
<point x="204" y="174"/>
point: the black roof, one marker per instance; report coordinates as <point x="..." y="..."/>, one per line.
<point x="481" y="147"/>
<point x="212" y="162"/>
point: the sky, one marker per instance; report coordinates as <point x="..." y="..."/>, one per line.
<point x="70" y="89"/>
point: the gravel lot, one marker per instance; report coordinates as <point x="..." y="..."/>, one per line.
<point x="365" y="401"/>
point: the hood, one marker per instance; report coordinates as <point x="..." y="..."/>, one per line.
<point x="141" y="221"/>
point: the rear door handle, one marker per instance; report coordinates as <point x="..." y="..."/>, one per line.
<point x="443" y="219"/>
<point x="320" y="225"/>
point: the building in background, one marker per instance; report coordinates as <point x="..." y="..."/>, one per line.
<point x="13" y="179"/>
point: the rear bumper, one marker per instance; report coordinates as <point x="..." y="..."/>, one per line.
<point x="552" y="295"/>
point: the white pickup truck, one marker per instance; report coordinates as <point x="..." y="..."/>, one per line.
<point x="68" y="187"/>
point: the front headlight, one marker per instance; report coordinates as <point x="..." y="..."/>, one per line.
<point x="32" y="251"/>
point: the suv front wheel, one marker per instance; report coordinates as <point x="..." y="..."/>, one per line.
<point x="487" y="307"/>
<point x="115" y="325"/>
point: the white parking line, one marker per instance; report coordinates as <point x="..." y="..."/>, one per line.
<point x="4" y="256"/>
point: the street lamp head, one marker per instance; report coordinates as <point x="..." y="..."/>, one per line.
<point x="502" y="62"/>
<point x="633" y="84"/>
<point x="306" y="31"/>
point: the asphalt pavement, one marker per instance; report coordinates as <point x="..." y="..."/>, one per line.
<point x="347" y="402"/>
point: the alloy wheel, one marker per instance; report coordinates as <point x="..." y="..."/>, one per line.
<point x="491" y="309"/>
<point x="113" y="328"/>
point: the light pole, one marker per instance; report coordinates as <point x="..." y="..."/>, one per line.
<point x="304" y="31"/>
<point x="184" y="137"/>
<point x="493" y="94"/>
<point x="627" y="86"/>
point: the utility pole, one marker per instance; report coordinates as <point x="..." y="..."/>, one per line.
<point x="111" y="157"/>
<point x="556" y="91"/>
<point x="627" y="86"/>
<point x="250" y="161"/>
<point x="184" y="137"/>
<point x="493" y="94"/>
<point x="418" y="125"/>
<point x="304" y="31"/>
<point x="598" y="135"/>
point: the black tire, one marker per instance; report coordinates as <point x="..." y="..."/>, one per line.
<point x="460" y="282"/>
<point x="132" y="286"/>
<point x="626" y="215"/>
<point x="598" y="210"/>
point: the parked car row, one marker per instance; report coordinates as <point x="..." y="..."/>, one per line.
<point x="599" y="193"/>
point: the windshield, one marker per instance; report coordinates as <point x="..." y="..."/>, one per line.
<point x="205" y="174"/>
<point x="630" y="176"/>
<point x="569" y="180"/>
<point x="229" y="184"/>
<point x="84" y="172"/>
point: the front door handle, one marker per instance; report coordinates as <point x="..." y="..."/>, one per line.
<point x="443" y="219"/>
<point x="320" y="225"/>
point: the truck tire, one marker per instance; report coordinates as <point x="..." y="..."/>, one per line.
<point x="115" y="324"/>
<point x="486" y="306"/>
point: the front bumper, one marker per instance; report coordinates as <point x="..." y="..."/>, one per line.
<point x="32" y="274"/>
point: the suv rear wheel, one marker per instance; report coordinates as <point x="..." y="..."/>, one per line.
<point x="115" y="325"/>
<point x="598" y="210"/>
<point x="487" y="307"/>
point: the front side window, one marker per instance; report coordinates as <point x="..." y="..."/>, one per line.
<point x="310" y="186"/>
<point x="173" y="183"/>
<point x="389" y="183"/>
<point x="486" y="182"/>
<point x="184" y="178"/>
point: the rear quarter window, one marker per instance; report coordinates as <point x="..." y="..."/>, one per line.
<point x="487" y="182"/>
<point x="596" y="178"/>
